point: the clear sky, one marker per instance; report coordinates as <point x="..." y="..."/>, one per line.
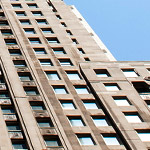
<point x="123" y="25"/>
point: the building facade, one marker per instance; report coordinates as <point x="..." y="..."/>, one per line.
<point x="61" y="88"/>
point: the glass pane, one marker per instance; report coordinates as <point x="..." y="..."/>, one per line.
<point x="68" y="105"/>
<point x="86" y="141"/>
<point x="60" y="91"/>
<point x="145" y="137"/>
<point x="90" y="105"/>
<point x="76" y="122"/>
<point x="53" y="76"/>
<point x="81" y="90"/>
<point x="130" y="73"/>
<point x="44" y="124"/>
<point x="52" y="143"/>
<point x="19" y="146"/>
<point x="37" y="107"/>
<point x="133" y="118"/>
<point x="73" y="76"/>
<point x="112" y="87"/>
<point x="122" y="102"/>
<point x="111" y="141"/>
<point x="100" y="122"/>
<point x="13" y="127"/>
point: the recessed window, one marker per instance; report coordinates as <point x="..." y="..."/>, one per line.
<point x="60" y="90"/>
<point x="90" y="104"/>
<point x="133" y="117"/>
<point x="31" y="91"/>
<point x="53" y="141"/>
<point x="3" y="23"/>
<point x="86" y="59"/>
<point x="59" y="50"/>
<point x="32" y="5"/>
<point x="53" y="40"/>
<point x="34" y="40"/>
<point x="4" y="95"/>
<point x="13" y="127"/>
<point x="37" y="13"/>
<point x="69" y="32"/>
<point x="39" y="51"/>
<point x="129" y="73"/>
<point x="73" y="75"/>
<point x="58" y="17"/>
<point x="7" y="110"/>
<point x="148" y="103"/>
<point x="144" y="135"/>
<point x="10" y="42"/>
<point x="111" y="139"/>
<point x="63" y="24"/>
<point x="37" y="107"/>
<point x="47" y="30"/>
<point x="19" y="63"/>
<point x="19" y="145"/>
<point x="2" y="14"/>
<point x="25" y="22"/>
<point x="81" y="51"/>
<point x="45" y="62"/>
<point x="16" y="6"/>
<point x="52" y="75"/>
<point x="14" y="52"/>
<point x="112" y="87"/>
<point x="6" y="32"/>
<point x="76" y="121"/>
<point x="67" y="104"/>
<point x="65" y="62"/>
<point x="82" y="90"/>
<point x="75" y="41"/>
<point x="102" y="73"/>
<point x="121" y="101"/>
<point x="44" y="123"/>
<point x="41" y="21"/>
<point x="25" y="76"/>
<point x="20" y="13"/>
<point x="100" y="121"/>
<point x="85" y="139"/>
<point x="29" y="31"/>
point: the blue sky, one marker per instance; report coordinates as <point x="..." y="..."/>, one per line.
<point x="123" y="25"/>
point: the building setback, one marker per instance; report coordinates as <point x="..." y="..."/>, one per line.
<point x="61" y="88"/>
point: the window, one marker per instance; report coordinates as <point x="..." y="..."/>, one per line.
<point x="32" y="5"/>
<point x="20" y="13"/>
<point x="53" y="141"/>
<point x="41" y="21"/>
<point x="44" y="124"/>
<point x="25" y="22"/>
<point x="73" y="75"/>
<point x="81" y="51"/>
<point x="34" y="40"/>
<point x="67" y="104"/>
<point x="52" y="40"/>
<point x="111" y="139"/>
<point x="39" y="51"/>
<point x="65" y="62"/>
<point x="19" y="63"/>
<point x="129" y="73"/>
<point x="121" y="101"/>
<point x="25" y="76"/>
<point x="45" y="62"/>
<point x="8" y="110"/>
<point x="148" y="103"/>
<point x="85" y="140"/>
<point x="2" y="14"/>
<point x="58" y="17"/>
<point x="47" y="30"/>
<point x="59" y="50"/>
<point x="75" y="41"/>
<point x="4" y="95"/>
<point x="86" y="59"/>
<point x="3" y="23"/>
<point x="100" y="121"/>
<point x="6" y="32"/>
<point x="37" y="107"/>
<point x="76" y="121"/>
<point x="16" y="6"/>
<point x="144" y="135"/>
<point x="63" y="24"/>
<point x="52" y="75"/>
<point x="60" y="90"/>
<point x="13" y="127"/>
<point x="112" y="87"/>
<point x="82" y="90"/>
<point x="102" y="73"/>
<point x="31" y="91"/>
<point x="29" y="31"/>
<point x="19" y="146"/>
<point x="37" y="13"/>
<point x="90" y="104"/>
<point x="133" y="117"/>
<point x="69" y="32"/>
<point x="14" y="52"/>
<point x="10" y="42"/>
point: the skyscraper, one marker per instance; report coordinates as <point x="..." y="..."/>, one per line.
<point x="60" y="87"/>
